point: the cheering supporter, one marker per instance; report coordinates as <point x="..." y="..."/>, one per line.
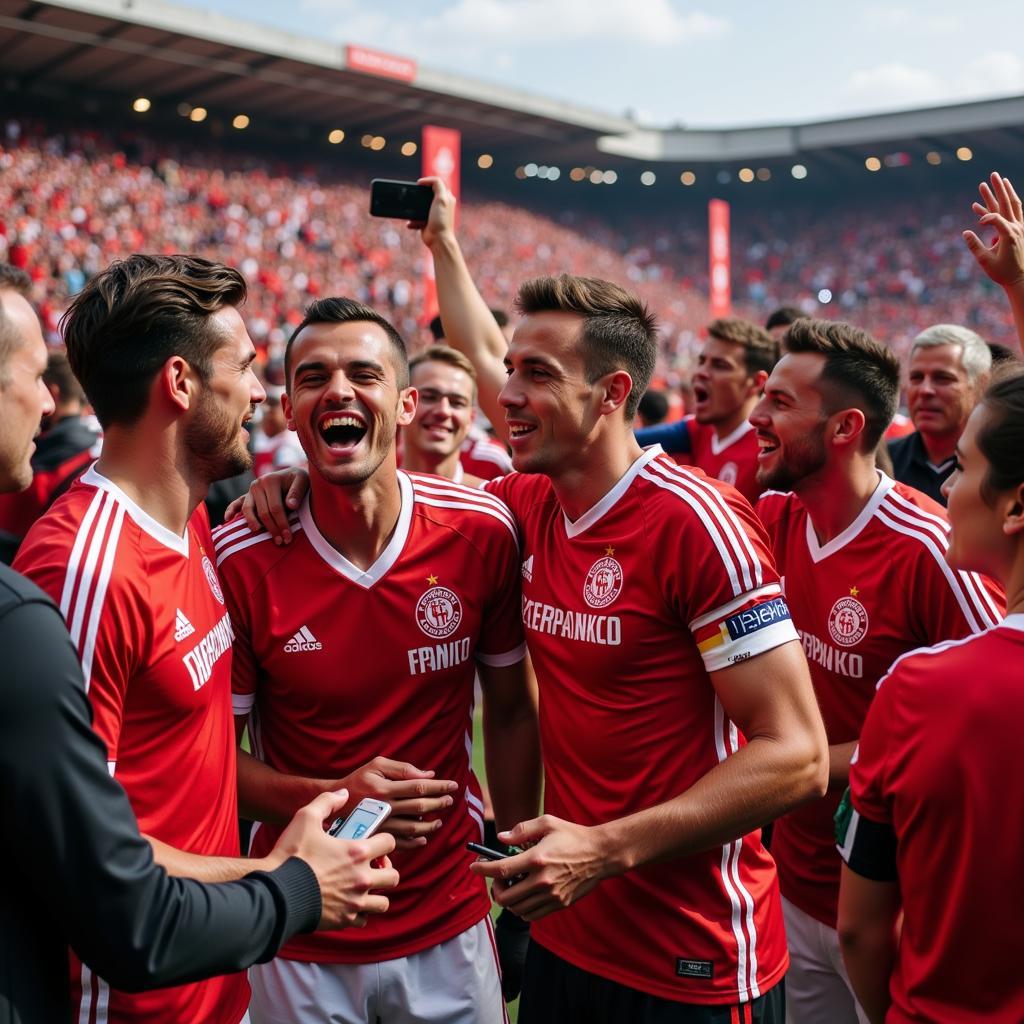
<point x="77" y="870"/>
<point x="165" y="360"/>
<point x="932" y="881"/>
<point x="718" y="438"/>
<point x="949" y="366"/>
<point x="434" y="566"/>
<point x="779" y="320"/>
<point x="865" y="578"/>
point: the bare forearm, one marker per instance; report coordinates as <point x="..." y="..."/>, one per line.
<point x="265" y="794"/>
<point x="870" y="956"/>
<point x="207" y="869"/>
<point x="758" y="783"/>
<point x="512" y="757"/>
<point x="469" y="325"/>
<point x="1015" y="295"/>
<point x="839" y="756"/>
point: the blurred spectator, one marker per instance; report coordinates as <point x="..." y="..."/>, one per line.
<point x="653" y="408"/>
<point x="949" y="367"/>
<point x="779" y="320"/>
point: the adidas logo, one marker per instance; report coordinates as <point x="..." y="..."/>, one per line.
<point x="303" y="641"/>
<point x="528" y="569"/>
<point x="182" y="627"/>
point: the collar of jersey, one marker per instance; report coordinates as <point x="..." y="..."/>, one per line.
<point x="387" y="558"/>
<point x="719" y="446"/>
<point x="1014" y="621"/>
<point x="608" y="502"/>
<point x="145" y="522"/>
<point x="819" y="552"/>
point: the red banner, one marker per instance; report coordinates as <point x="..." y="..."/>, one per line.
<point x="719" y="274"/>
<point x="384" y="65"/>
<point x="442" y="149"/>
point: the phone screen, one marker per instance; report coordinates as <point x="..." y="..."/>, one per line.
<point x="358" y="823"/>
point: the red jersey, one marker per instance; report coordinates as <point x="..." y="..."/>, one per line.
<point x="951" y="802"/>
<point x="146" y="612"/>
<point x="339" y="665"/>
<point x="733" y="459"/>
<point x="879" y="589"/>
<point x="484" y="457"/>
<point x="627" y="610"/>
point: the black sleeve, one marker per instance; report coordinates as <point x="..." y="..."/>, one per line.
<point x="868" y="847"/>
<point x="74" y="844"/>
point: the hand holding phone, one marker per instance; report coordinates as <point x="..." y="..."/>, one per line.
<point x="366" y="818"/>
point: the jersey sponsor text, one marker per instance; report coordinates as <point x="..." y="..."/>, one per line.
<point x="585" y="626"/>
<point x="201" y="659"/>
<point x="439" y="657"/>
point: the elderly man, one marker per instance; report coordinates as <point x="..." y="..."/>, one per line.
<point x="949" y="367"/>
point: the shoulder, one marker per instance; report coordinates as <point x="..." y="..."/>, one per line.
<point x="236" y="546"/>
<point x="16" y="591"/>
<point x="689" y="493"/>
<point x="931" y="664"/>
<point x="918" y="522"/>
<point x="520" y="491"/>
<point x="464" y="508"/>
<point x="902" y="448"/>
<point x="774" y="507"/>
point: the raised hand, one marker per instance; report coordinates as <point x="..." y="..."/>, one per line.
<point x="1000" y="209"/>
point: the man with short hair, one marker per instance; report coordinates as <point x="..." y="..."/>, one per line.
<point x="863" y="571"/>
<point x="365" y="635"/>
<point x="949" y="367"/>
<point x="77" y="870"/>
<point x="445" y="384"/>
<point x="160" y="348"/>
<point x="779" y="320"/>
<point x="731" y="370"/>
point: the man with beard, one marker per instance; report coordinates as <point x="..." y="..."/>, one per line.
<point x="864" y="573"/>
<point x="731" y="370"/>
<point x="161" y="351"/>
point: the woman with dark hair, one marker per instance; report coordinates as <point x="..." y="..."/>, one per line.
<point x="936" y="783"/>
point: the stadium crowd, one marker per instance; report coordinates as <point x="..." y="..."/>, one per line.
<point x="707" y="656"/>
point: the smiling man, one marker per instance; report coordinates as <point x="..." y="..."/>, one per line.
<point x="731" y="370"/>
<point x="364" y="635"/>
<point x="861" y="558"/>
<point x="949" y="368"/>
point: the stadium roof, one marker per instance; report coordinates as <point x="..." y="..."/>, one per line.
<point x="178" y="56"/>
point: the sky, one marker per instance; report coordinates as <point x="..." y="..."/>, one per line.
<point x="719" y="63"/>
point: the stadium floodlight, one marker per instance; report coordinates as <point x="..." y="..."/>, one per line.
<point x="688" y="178"/>
<point x="764" y="174"/>
<point x="554" y="174"/>
<point x="336" y="136"/>
<point x="484" y="160"/>
<point x="197" y="114"/>
<point x="610" y="177"/>
<point x="825" y="296"/>
<point x="141" y="105"/>
<point x="873" y="164"/>
<point x="746" y="175"/>
<point x="409" y="148"/>
<point x="241" y="121"/>
<point x="934" y="158"/>
<point x="520" y="173"/>
<point x="577" y="174"/>
<point x="366" y="141"/>
<point x="377" y="143"/>
<point x="648" y="178"/>
<point x="964" y="153"/>
<point x="798" y="171"/>
<point x="596" y="177"/>
<point x="530" y="170"/>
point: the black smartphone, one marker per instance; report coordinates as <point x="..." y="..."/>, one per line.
<point x="485" y="851"/>
<point x="403" y="200"/>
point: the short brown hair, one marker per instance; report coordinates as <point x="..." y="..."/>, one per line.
<point x="12" y="279"/>
<point x="760" y="349"/>
<point x="58" y="375"/>
<point x="619" y="331"/>
<point x="134" y="316"/>
<point x="449" y="356"/>
<point x="1001" y="439"/>
<point x="861" y="372"/>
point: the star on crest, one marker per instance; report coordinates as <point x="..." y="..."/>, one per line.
<point x="432" y="580"/>
<point x="609" y="551"/>
<point x="854" y="591"/>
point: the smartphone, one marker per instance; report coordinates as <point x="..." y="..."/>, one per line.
<point x="366" y="817"/>
<point x="403" y="200"/>
<point x="488" y="854"/>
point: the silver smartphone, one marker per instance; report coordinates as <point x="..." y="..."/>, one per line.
<point x="366" y="818"/>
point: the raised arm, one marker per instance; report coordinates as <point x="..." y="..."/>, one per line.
<point x="469" y="325"/>
<point x="1003" y="260"/>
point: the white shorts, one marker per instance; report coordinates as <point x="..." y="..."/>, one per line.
<point x="455" y="982"/>
<point x="818" y="989"/>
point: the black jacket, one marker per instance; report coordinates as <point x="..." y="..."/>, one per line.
<point x="911" y="466"/>
<point x="73" y="867"/>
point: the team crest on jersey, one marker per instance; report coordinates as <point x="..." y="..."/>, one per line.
<point x="603" y="583"/>
<point x="728" y="473"/>
<point x="439" y="612"/>
<point x="211" y="578"/>
<point x="848" y="621"/>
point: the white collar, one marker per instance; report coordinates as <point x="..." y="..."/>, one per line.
<point x="1014" y="621"/>
<point x="160" y="533"/>
<point x="365" y="578"/>
<point x="608" y="502"/>
<point x="719" y="446"/>
<point x="819" y="552"/>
